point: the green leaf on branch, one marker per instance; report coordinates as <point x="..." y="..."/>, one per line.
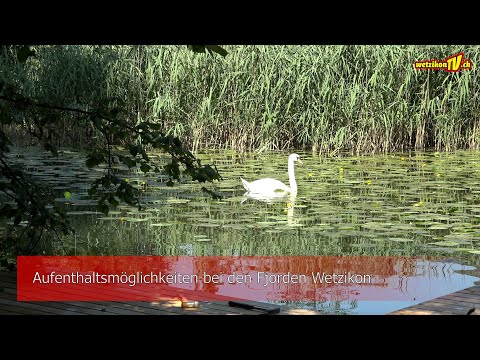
<point x="93" y="190"/>
<point x="211" y="173"/>
<point x="51" y="148"/>
<point x="113" y="201"/>
<point x="127" y="161"/>
<point x="7" y="211"/>
<point x="212" y="193"/>
<point x="197" y="48"/>
<point x="210" y="48"/>
<point x="24" y="53"/>
<point x="103" y="208"/>
<point x="155" y="126"/>
<point x="91" y="162"/>
<point x="217" y="49"/>
<point x="134" y="150"/>
<point x="95" y="158"/>
<point x="18" y="219"/>
<point x="145" y="167"/>
<point x="5" y="116"/>
<point x="172" y="170"/>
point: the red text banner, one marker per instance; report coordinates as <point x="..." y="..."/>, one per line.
<point x="257" y="278"/>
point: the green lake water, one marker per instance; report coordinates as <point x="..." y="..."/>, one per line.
<point x="386" y="205"/>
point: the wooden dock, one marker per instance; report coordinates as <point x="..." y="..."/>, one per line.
<point x="10" y="306"/>
<point x="463" y="302"/>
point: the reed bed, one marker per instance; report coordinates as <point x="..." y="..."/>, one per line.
<point x="359" y="99"/>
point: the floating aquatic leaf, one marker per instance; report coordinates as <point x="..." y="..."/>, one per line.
<point x="445" y="243"/>
<point x="206" y="225"/>
<point x="400" y="239"/>
<point x="463" y="249"/>
<point x="177" y="201"/>
<point x="131" y="219"/>
<point x="78" y="213"/>
<point x="440" y="227"/>
<point x="373" y="226"/>
<point x="273" y="231"/>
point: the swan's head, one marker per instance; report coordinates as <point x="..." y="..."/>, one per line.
<point x="295" y="157"/>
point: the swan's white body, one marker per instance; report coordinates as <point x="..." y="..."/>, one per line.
<point x="273" y="187"/>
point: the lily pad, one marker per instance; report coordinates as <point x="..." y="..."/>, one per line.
<point x="398" y="239"/>
<point x="445" y="243"/>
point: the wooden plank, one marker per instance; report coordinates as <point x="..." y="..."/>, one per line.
<point x="204" y="308"/>
<point x="460" y="304"/>
<point x="153" y="308"/>
<point x="440" y="308"/>
<point x="56" y="308"/>
<point x="8" y="284"/>
<point x="142" y="308"/>
<point x="448" y="307"/>
<point x="120" y="294"/>
<point x="300" y="312"/>
<point x="454" y="301"/>
<point x="7" y="312"/>
<point x="473" y="289"/>
<point x="91" y="293"/>
<point x="413" y="311"/>
<point x="85" y="309"/>
<point x="112" y="306"/>
<point x="26" y="307"/>
<point x="422" y="310"/>
<point x="461" y="297"/>
<point x="22" y="311"/>
<point x="66" y="308"/>
<point x="472" y="295"/>
<point x="8" y="277"/>
<point x="125" y="308"/>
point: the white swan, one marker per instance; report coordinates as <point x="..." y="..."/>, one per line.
<point x="272" y="187"/>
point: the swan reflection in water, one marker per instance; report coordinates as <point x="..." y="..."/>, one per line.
<point x="285" y="198"/>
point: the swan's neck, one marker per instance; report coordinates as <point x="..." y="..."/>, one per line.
<point x="291" y="176"/>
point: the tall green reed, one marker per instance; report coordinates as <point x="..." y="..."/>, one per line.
<point x="326" y="98"/>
